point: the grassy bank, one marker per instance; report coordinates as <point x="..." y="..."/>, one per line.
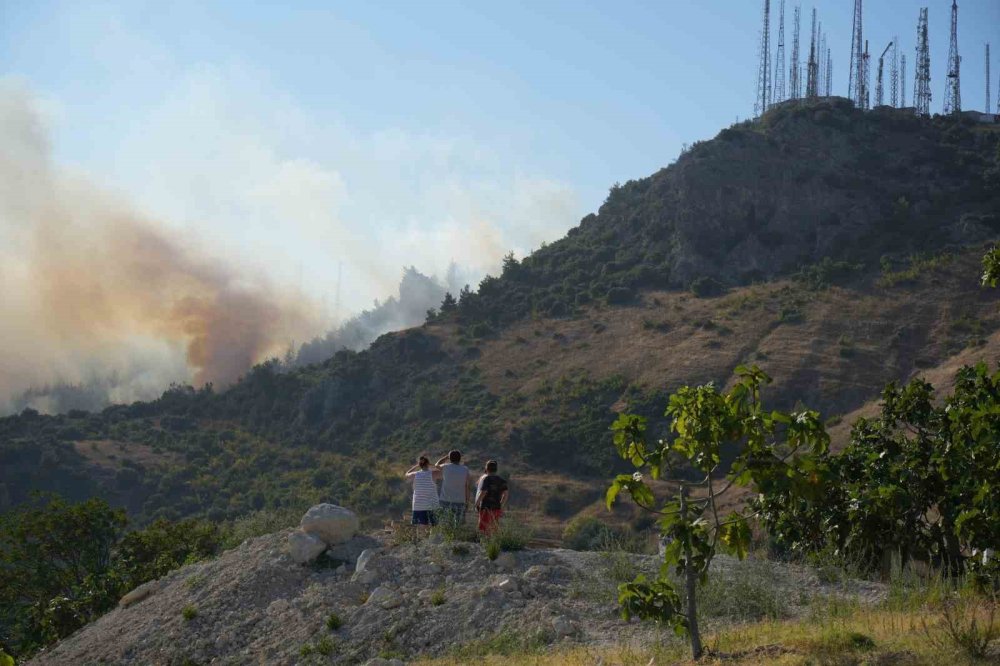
<point x="913" y="627"/>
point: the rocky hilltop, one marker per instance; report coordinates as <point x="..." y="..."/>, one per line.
<point x="392" y="597"/>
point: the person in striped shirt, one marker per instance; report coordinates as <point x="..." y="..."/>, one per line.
<point x="424" y="476"/>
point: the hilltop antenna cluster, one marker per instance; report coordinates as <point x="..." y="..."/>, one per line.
<point x="779" y="60"/>
<point x="795" y="78"/>
<point x="922" y="80"/>
<point x="953" y="86"/>
<point x="855" y="86"/>
<point x="812" y="84"/>
<point x="764" y="68"/>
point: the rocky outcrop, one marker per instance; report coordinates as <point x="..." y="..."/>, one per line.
<point x="255" y="604"/>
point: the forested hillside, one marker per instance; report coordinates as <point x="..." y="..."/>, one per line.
<point x="837" y="250"/>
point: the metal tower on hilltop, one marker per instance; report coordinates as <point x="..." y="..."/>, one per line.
<point x="812" y="68"/>
<point x="902" y="80"/>
<point x="855" y="87"/>
<point x="829" y="73"/>
<point x="922" y="77"/>
<point x="989" y="97"/>
<point x="821" y="58"/>
<point x="764" y="67"/>
<point x="866" y="78"/>
<point x="779" y="60"/>
<point x="794" y="79"/>
<point x="879" y="89"/>
<point x="953" y="86"/>
<point x="894" y="74"/>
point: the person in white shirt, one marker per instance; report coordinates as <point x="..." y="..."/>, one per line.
<point x="425" y="492"/>
<point x="455" y="488"/>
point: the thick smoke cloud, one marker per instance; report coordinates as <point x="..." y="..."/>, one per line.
<point x="91" y="290"/>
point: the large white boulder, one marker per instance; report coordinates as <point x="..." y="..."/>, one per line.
<point x="304" y="547"/>
<point x="331" y="523"/>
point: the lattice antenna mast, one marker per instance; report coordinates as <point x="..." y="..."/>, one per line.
<point x="953" y="87"/>
<point x="879" y="89"/>
<point x="866" y="78"/>
<point x="812" y="69"/>
<point x="764" y="67"/>
<point x="780" y="93"/>
<point x="821" y="58"/>
<point x="894" y="74"/>
<point x="902" y="80"/>
<point x="855" y="89"/>
<point x="989" y="97"/>
<point x="922" y="78"/>
<point x="829" y="72"/>
<point x="794" y="79"/>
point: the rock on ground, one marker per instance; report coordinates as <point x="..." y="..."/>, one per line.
<point x="304" y="547"/>
<point x="332" y="523"/>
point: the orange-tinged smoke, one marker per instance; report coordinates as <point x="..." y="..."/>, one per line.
<point x="88" y="286"/>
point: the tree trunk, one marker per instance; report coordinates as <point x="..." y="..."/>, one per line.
<point x="690" y="586"/>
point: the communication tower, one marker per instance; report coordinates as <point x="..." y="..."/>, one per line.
<point x="902" y="80"/>
<point x="894" y="74"/>
<point x="779" y="60"/>
<point x="879" y="90"/>
<point x="795" y="78"/>
<point x="953" y="86"/>
<point x="764" y="67"/>
<point x="812" y="84"/>
<point x="922" y="78"/>
<point x="989" y="97"/>
<point x="855" y="87"/>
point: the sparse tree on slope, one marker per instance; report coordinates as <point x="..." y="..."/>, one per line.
<point x="779" y="451"/>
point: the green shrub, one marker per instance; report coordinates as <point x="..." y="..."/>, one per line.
<point x="619" y="296"/>
<point x="507" y="535"/>
<point x="706" y="287"/>
<point x="589" y="533"/>
<point x="438" y="598"/>
<point x="334" y="622"/>
<point x="259" y="523"/>
<point x="324" y="646"/>
<point x="747" y="592"/>
<point x="189" y="613"/>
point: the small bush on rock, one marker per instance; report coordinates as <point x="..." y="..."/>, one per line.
<point x="189" y="613"/>
<point x="334" y="622"/>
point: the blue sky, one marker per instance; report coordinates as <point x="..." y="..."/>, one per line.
<point x="290" y="137"/>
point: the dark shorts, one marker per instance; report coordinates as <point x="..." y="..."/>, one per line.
<point x="424" y="518"/>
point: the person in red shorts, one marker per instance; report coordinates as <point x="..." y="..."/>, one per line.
<point x="491" y="497"/>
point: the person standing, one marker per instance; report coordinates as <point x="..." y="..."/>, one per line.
<point x="425" y="493"/>
<point x="454" y="496"/>
<point x="491" y="497"/>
